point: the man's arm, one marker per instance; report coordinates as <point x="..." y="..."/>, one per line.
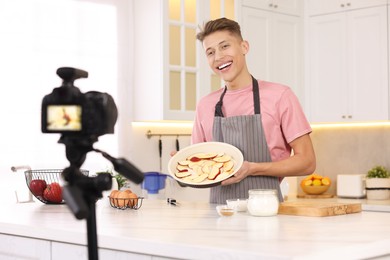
<point x="302" y="162"/>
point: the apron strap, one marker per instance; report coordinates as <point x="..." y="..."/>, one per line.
<point x="256" y="99"/>
<point x="256" y="96"/>
<point x="218" y="106"/>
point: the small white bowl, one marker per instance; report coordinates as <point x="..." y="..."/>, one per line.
<point x="238" y="204"/>
<point x="225" y="211"/>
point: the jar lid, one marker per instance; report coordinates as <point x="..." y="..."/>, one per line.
<point x="262" y="192"/>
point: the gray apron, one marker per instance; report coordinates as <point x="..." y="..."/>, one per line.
<point x="246" y="133"/>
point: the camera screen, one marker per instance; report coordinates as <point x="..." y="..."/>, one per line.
<point x="64" y="118"/>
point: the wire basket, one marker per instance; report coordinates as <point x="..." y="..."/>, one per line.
<point x="122" y="203"/>
<point x="49" y="176"/>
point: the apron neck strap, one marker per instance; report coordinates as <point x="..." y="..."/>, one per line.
<point x="256" y="99"/>
<point x="256" y="95"/>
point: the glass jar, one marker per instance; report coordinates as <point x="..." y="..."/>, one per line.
<point x="263" y="202"/>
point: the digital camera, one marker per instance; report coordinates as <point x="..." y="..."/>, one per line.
<point x="69" y="111"/>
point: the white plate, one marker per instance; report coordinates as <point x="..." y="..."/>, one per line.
<point x="207" y="147"/>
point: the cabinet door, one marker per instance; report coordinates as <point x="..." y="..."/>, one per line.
<point x="367" y="63"/>
<point x="327" y="68"/>
<point x="20" y="248"/>
<point x="316" y="7"/>
<point x="256" y="26"/>
<point x="274" y="46"/>
<point x="286" y="49"/>
<point x="293" y="7"/>
<point x="64" y="251"/>
<point x="348" y="66"/>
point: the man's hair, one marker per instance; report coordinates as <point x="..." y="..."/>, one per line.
<point x="221" y="24"/>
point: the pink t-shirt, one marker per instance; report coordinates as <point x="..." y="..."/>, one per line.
<point x="282" y="115"/>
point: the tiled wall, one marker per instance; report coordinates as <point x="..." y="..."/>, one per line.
<point x="350" y="149"/>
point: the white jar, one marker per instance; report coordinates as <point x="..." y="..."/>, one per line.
<point x="263" y="202"/>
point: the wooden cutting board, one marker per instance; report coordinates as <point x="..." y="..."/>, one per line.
<point x="318" y="209"/>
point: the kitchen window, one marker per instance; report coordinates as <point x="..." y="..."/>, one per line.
<point x="39" y="36"/>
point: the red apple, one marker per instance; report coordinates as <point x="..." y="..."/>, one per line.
<point x="53" y="193"/>
<point x="37" y="187"/>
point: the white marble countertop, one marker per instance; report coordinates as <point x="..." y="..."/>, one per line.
<point x="195" y="231"/>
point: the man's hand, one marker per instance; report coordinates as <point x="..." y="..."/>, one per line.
<point x="241" y="174"/>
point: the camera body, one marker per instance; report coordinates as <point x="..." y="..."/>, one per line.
<point x="70" y="112"/>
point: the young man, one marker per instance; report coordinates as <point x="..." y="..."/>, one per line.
<point x="262" y="119"/>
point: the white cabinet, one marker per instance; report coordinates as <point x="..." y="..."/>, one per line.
<point x="316" y="7"/>
<point x="275" y="46"/>
<point x="348" y="61"/>
<point x="64" y="251"/>
<point x="22" y="248"/>
<point x="293" y="7"/>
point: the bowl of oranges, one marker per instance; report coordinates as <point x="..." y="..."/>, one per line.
<point x="124" y="199"/>
<point x="315" y="184"/>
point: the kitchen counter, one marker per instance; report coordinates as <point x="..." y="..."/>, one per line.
<point x="195" y="231"/>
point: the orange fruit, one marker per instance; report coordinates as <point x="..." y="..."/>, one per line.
<point x="307" y="182"/>
<point x="316" y="176"/>
<point x="308" y="178"/>
<point x="317" y="182"/>
<point x="326" y="181"/>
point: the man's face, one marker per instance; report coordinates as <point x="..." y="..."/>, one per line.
<point x="225" y="54"/>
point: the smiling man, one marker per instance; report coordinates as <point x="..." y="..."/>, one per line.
<point x="262" y="119"/>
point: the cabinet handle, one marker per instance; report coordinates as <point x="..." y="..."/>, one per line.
<point x="343" y="116"/>
<point x="342" y="5"/>
<point x="270" y="5"/>
<point x="349" y="116"/>
<point x="276" y="6"/>
<point x="348" y="4"/>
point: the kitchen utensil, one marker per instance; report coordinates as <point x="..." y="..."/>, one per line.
<point x="160" y="152"/>
<point x="207" y="147"/>
<point x="49" y="176"/>
<point x="177" y="144"/>
<point x="153" y="182"/>
<point x="318" y="208"/>
<point x="172" y="201"/>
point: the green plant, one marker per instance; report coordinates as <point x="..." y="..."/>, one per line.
<point x="378" y="172"/>
<point x="119" y="178"/>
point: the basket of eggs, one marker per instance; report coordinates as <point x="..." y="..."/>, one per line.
<point x="124" y="199"/>
<point x="315" y="184"/>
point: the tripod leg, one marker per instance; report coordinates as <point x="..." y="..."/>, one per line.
<point x="92" y="233"/>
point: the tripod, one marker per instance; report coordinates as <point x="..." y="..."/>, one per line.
<point x="82" y="192"/>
